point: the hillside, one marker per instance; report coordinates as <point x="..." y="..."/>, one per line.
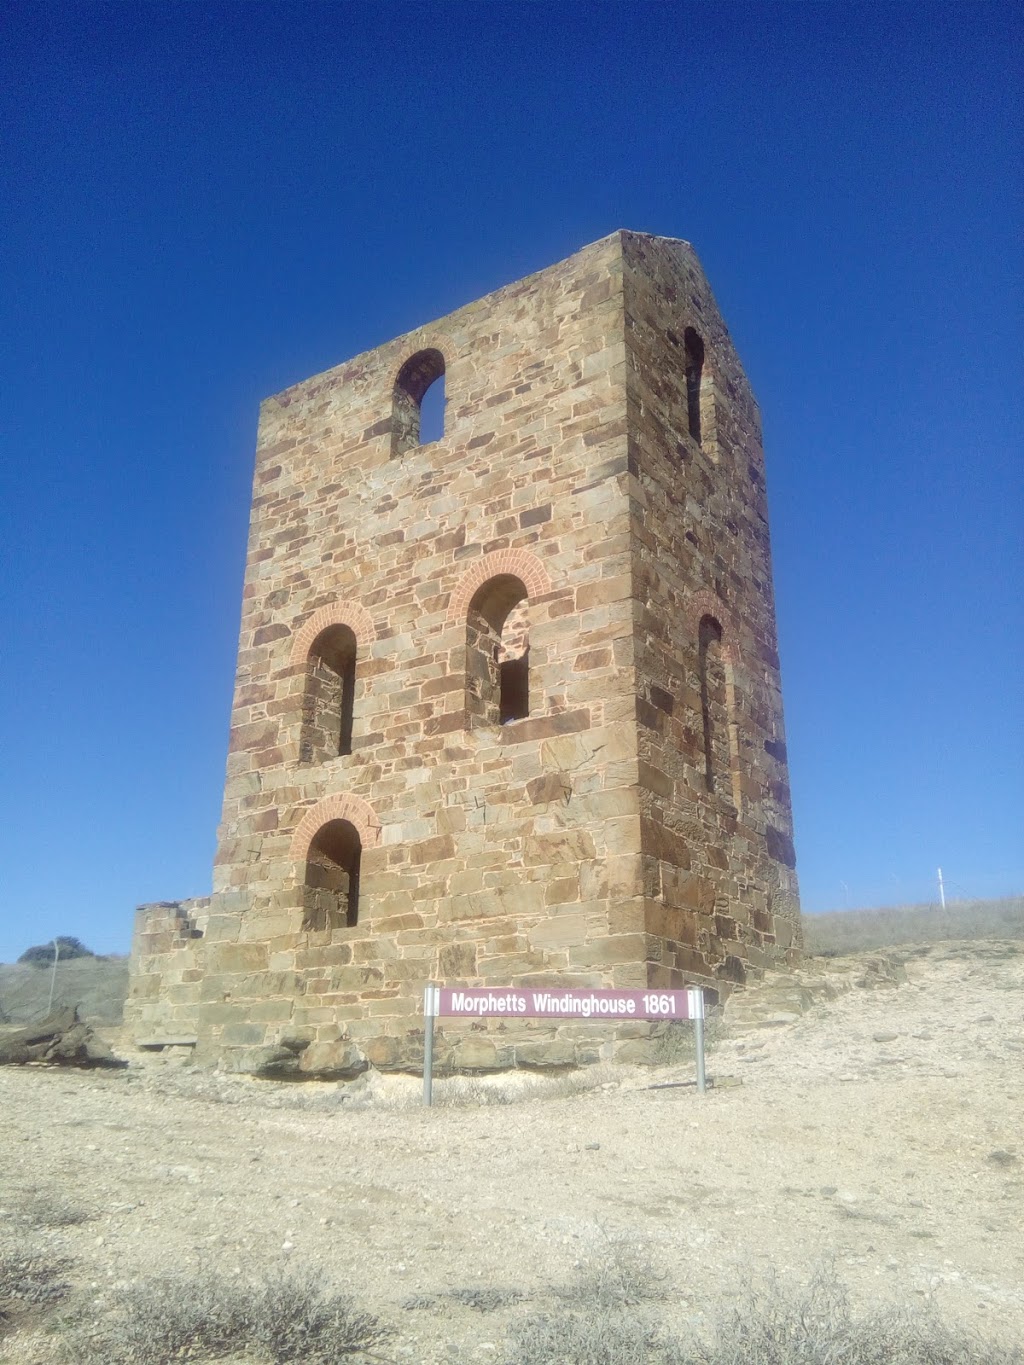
<point x="98" y="984"/>
<point x="853" y="931"/>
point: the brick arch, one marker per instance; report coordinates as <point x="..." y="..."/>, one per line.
<point x="349" y="614"/>
<point x="344" y="806"/>
<point x="704" y="603"/>
<point x="424" y="341"/>
<point x="523" y="564"/>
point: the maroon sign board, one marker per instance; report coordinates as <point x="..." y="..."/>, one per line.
<point x="504" y="1002"/>
<point x="474" y="1002"/>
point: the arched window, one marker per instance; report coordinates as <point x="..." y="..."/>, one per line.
<point x="329" y="695"/>
<point x="331" y="891"/>
<point x="414" y="423"/>
<point x="693" y="353"/>
<point x="713" y="702"/>
<point x="498" y="653"/>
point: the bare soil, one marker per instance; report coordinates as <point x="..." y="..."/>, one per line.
<point x="882" y="1129"/>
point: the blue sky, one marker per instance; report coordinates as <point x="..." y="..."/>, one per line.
<point x="203" y="204"/>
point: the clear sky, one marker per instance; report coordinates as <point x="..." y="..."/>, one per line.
<point x="202" y="204"/>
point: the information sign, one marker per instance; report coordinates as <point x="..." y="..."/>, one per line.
<point x="494" y="1002"/>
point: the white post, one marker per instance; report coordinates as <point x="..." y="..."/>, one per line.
<point x="696" y="1009"/>
<point x="53" y="975"/>
<point x="942" y="890"/>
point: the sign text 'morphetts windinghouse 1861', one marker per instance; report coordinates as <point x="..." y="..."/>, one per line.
<point x="455" y="1002"/>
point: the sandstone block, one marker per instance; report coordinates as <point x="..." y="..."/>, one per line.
<point x="338" y="1060"/>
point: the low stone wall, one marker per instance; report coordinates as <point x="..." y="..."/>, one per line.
<point x="168" y="967"/>
<point x="182" y="982"/>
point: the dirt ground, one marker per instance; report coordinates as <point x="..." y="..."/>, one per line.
<point x="882" y="1129"/>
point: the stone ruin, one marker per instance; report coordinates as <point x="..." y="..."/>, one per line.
<point x="507" y="707"/>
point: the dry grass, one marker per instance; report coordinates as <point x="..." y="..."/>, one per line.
<point x="291" y="1319"/>
<point x="621" y="1275"/>
<point x="815" y="1325"/>
<point x="766" y="1325"/>
<point x="855" y="931"/>
<point x="45" y="1209"/>
<point x="32" y="1276"/>
<point x="33" y="1282"/>
<point x="616" y="1311"/>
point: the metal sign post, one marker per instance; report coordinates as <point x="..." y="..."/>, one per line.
<point x="430" y="1007"/>
<point x="696" y="1007"/>
<point x="504" y="1002"/>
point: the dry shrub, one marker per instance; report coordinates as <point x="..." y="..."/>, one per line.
<point x="31" y="1277"/>
<point x="32" y="1286"/>
<point x="45" y="1209"/>
<point x="594" y="1337"/>
<point x="291" y="1319"/>
<point x="815" y="1325"/>
<point x="622" y="1276"/>
<point x="482" y="1299"/>
<point x="766" y="1325"/>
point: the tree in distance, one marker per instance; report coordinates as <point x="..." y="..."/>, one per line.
<point x="42" y="954"/>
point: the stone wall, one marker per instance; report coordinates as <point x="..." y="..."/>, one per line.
<point x="719" y="886"/>
<point x="168" y="971"/>
<point x="515" y="796"/>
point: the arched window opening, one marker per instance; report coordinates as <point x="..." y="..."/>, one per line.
<point x="693" y="350"/>
<point x="498" y="653"/>
<point x="331" y="891"/>
<point x="713" y="702"/>
<point x="329" y="696"/>
<point x="417" y="419"/>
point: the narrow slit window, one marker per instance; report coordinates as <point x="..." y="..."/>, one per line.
<point x="693" y="350"/>
<point x="713" y="702"/>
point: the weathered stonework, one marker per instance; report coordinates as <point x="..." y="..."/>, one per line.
<point x="507" y="707"/>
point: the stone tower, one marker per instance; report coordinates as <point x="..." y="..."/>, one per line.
<point x="507" y="707"/>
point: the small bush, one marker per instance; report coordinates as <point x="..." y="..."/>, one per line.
<point x="279" y="1321"/>
<point x="48" y="1210"/>
<point x="481" y="1299"/>
<point x="30" y="1280"/>
<point x="622" y="1276"/>
<point x="595" y="1337"/>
